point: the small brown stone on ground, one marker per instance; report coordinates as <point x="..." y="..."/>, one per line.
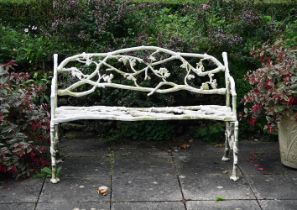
<point x="102" y="190"/>
<point x="184" y="146"/>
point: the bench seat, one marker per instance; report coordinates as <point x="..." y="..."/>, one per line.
<point x="215" y="112"/>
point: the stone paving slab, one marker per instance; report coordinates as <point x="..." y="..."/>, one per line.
<point x="86" y="167"/>
<point x="57" y="205"/>
<point x="290" y="172"/>
<point x="84" y="147"/>
<point x="191" y="163"/>
<point x="95" y="205"/>
<point x="200" y="149"/>
<point x="148" y="177"/>
<point x="202" y="159"/>
<point x="144" y="175"/>
<point x="223" y="205"/>
<point x="261" y="158"/>
<point x="266" y="164"/>
<point x="20" y="191"/>
<point x="148" y="206"/>
<point x="17" y="206"/>
<point x="260" y="146"/>
<point x="133" y="161"/>
<point x="273" y="187"/>
<point x="146" y="188"/>
<point x="204" y="176"/>
<point x="73" y="206"/>
<point x="74" y="190"/>
<point x="211" y="186"/>
<point x="278" y="204"/>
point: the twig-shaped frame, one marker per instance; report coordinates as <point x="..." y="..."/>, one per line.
<point x="105" y="80"/>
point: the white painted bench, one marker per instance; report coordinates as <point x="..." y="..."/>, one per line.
<point x="149" y="62"/>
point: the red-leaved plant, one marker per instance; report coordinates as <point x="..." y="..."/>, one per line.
<point x="274" y="86"/>
<point x="24" y="123"/>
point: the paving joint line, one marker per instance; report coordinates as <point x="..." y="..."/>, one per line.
<point x="18" y="202"/>
<point x="110" y="196"/>
<point x="276" y="199"/>
<point x="225" y="199"/>
<point x="148" y="201"/>
<point x="111" y="161"/>
<point x="39" y="194"/>
<point x="178" y="179"/>
<point x="250" y="186"/>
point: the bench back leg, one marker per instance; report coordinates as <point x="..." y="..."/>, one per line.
<point x="234" y="176"/>
<point x="53" y="151"/>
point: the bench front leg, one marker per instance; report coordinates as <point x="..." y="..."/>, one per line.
<point x="234" y="176"/>
<point x="227" y="140"/>
<point x="57" y="133"/>
<point x="53" y="151"/>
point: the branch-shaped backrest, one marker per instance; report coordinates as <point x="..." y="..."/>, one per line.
<point x="139" y="64"/>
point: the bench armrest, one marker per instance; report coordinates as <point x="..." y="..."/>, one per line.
<point x="54" y="84"/>
<point x="232" y="86"/>
<point x="233" y="93"/>
<point x="54" y="87"/>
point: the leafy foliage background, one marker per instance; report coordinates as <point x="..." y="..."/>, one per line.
<point x="31" y="31"/>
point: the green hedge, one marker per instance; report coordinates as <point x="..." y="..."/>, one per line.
<point x="172" y="1"/>
<point x="232" y="27"/>
<point x="26" y="12"/>
<point x="206" y="1"/>
<point x="31" y="51"/>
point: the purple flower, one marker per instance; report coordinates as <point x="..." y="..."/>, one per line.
<point x="222" y="38"/>
<point x="250" y="17"/>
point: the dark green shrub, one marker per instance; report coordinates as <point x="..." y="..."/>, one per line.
<point x="96" y="26"/>
<point x="141" y="131"/>
<point x="212" y="28"/>
<point x="26" y="12"/>
<point x="24" y="123"/>
<point x="29" y="49"/>
<point x="290" y="34"/>
<point x="94" y="22"/>
<point x="209" y="131"/>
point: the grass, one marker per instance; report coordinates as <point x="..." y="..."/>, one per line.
<point x="220" y="198"/>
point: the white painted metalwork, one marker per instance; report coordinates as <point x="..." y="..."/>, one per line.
<point x="211" y="112"/>
<point x="136" y="70"/>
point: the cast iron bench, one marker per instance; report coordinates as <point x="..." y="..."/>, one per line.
<point x="135" y="65"/>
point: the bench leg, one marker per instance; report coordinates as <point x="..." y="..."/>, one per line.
<point x="53" y="150"/>
<point x="234" y="176"/>
<point x="56" y="134"/>
<point x="227" y="145"/>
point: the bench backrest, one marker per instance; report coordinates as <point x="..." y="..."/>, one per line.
<point x="152" y="63"/>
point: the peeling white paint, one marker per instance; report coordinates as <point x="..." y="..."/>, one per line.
<point x="152" y="66"/>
